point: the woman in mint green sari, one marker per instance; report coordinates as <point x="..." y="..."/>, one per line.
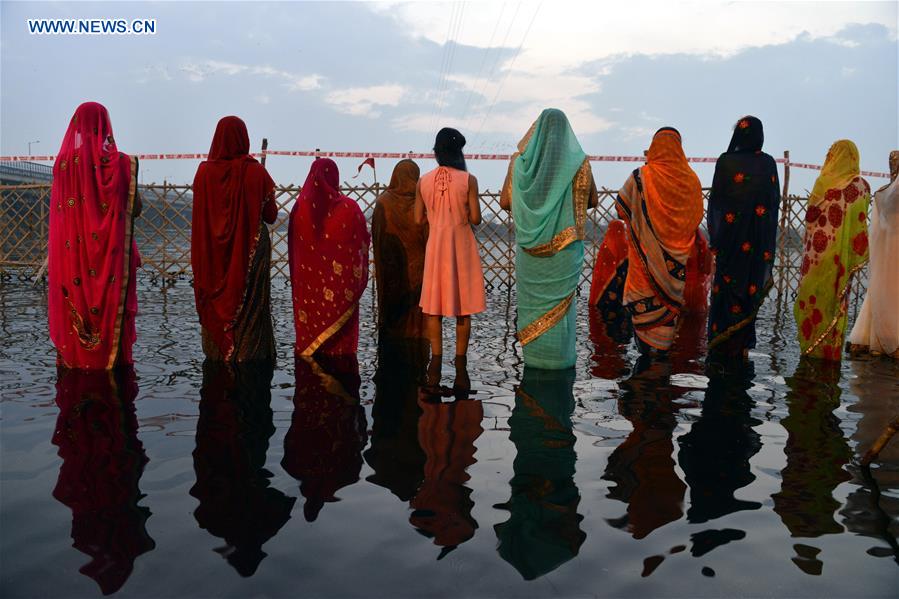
<point x="548" y="188"/>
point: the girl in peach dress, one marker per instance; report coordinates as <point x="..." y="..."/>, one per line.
<point x="453" y="284"/>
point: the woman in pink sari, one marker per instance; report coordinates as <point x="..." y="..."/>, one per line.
<point x="91" y="291"/>
<point x="328" y="255"/>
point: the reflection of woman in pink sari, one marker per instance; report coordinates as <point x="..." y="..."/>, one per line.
<point x="92" y="255"/>
<point x="328" y="253"/>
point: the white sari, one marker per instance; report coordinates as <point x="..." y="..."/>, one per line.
<point x="877" y="326"/>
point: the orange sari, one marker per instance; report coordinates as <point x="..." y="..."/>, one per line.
<point x="662" y="205"/>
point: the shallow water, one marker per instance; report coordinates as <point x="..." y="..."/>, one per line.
<point x="672" y="481"/>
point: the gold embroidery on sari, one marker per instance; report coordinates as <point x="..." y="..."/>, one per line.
<point x="581" y="194"/>
<point x="545" y="322"/>
<point x="89" y="339"/>
<point x="563" y="239"/>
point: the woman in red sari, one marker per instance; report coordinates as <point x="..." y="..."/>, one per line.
<point x="230" y="250"/>
<point x="328" y="255"/>
<point x="92" y="299"/>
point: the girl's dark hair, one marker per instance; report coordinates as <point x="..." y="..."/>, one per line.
<point x="448" y="149"/>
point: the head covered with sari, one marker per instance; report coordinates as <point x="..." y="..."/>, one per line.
<point x="742" y="222"/>
<point x="328" y="245"/>
<point x="92" y="257"/>
<point x="841" y="166"/>
<point x="836" y="248"/>
<point x="399" y="250"/>
<point x="549" y="184"/>
<point x="230" y="189"/>
<point x="662" y="205"/>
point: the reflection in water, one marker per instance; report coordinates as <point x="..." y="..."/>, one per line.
<point x="543" y="530"/>
<point x="610" y="332"/>
<point x="395" y="455"/>
<point x="642" y="466"/>
<point x="872" y="509"/>
<point x="442" y="506"/>
<point x="237" y="502"/>
<point x="816" y="453"/>
<point x="715" y="454"/>
<point x="102" y="462"/>
<point x="323" y="447"/>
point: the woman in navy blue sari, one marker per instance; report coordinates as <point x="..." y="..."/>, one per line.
<point x="742" y="224"/>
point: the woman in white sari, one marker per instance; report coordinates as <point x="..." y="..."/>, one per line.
<point x="876" y="329"/>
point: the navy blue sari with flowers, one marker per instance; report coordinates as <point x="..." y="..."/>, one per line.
<point x="742" y="224"/>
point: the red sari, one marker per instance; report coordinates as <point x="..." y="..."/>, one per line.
<point x="92" y="257"/>
<point x="328" y="254"/>
<point x="232" y="198"/>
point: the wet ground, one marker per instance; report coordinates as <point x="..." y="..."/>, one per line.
<point x="337" y="479"/>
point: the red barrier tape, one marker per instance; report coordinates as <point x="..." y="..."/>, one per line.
<point x="414" y="155"/>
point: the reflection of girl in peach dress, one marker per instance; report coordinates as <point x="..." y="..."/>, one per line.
<point x="442" y="506"/>
<point x="453" y="283"/>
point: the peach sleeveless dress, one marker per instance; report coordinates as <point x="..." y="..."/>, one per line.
<point x="453" y="283"/>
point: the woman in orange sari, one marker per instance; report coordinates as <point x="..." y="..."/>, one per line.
<point x="92" y="258"/>
<point x="328" y="256"/>
<point x="662" y="205"/>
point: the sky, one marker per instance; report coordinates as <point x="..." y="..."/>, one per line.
<point x="384" y="76"/>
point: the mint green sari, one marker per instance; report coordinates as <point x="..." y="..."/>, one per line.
<point x="549" y="185"/>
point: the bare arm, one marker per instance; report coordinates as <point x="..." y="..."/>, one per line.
<point x="505" y="197"/>
<point x="474" y="205"/>
<point x="418" y="210"/>
<point x="593" y="200"/>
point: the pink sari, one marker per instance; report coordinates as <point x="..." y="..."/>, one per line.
<point x="328" y="255"/>
<point x="92" y="255"/>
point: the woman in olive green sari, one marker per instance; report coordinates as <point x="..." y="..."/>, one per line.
<point x="548" y="188"/>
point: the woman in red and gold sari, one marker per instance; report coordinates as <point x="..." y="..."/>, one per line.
<point x="662" y="205"/>
<point x="230" y="250"/>
<point x="92" y="261"/>
<point x="328" y="254"/>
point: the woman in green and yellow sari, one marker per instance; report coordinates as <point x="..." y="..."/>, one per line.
<point x="836" y="248"/>
<point x="548" y="188"/>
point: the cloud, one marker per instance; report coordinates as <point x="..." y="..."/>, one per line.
<point x="202" y="70"/>
<point x="364" y="101"/>
<point x="565" y="34"/>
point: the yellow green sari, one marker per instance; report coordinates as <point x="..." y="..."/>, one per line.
<point x="836" y="248"/>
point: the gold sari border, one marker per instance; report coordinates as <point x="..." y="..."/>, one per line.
<point x="126" y="264"/>
<point x="545" y="322"/>
<point x="841" y="311"/>
<point x="581" y="196"/>
<point x="329" y="332"/>
<point x="562" y="239"/>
